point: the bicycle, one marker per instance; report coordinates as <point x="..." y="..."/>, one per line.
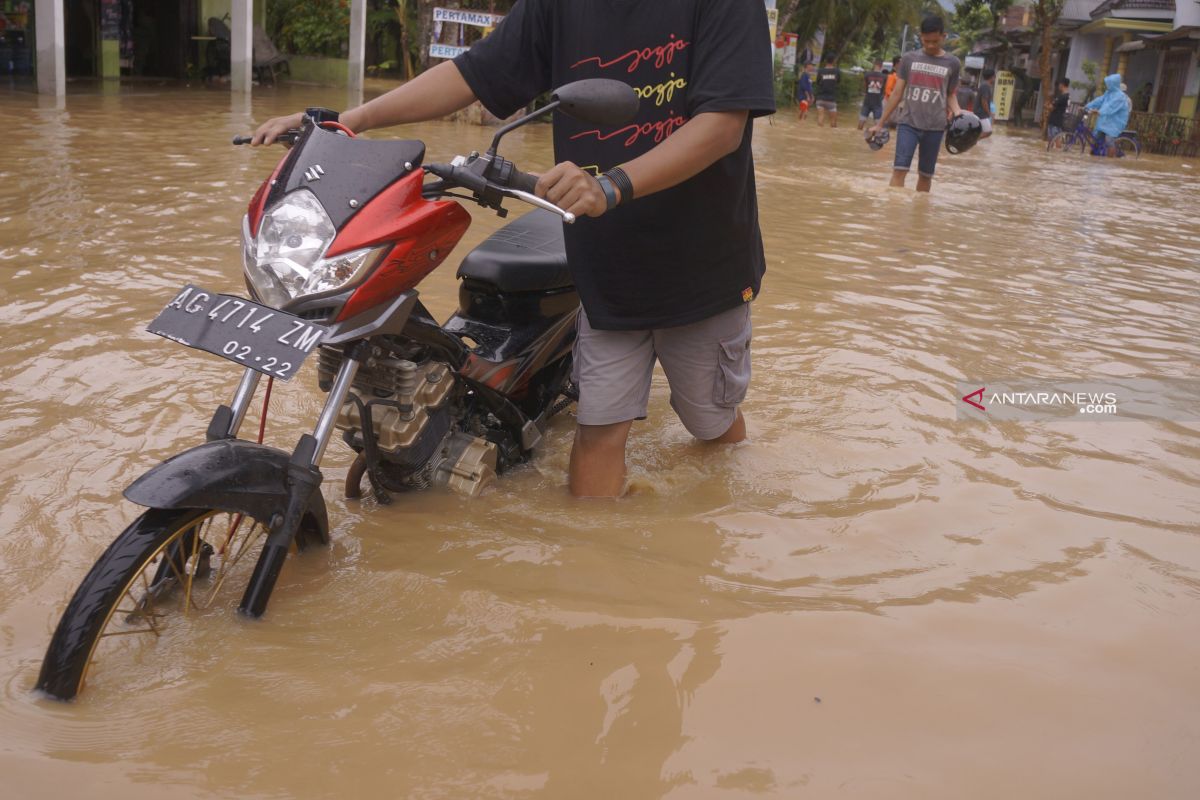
<point x="1125" y="145"/>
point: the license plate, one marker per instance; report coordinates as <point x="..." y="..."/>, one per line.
<point x="268" y="340"/>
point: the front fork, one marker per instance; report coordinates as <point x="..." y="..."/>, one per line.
<point x="303" y="476"/>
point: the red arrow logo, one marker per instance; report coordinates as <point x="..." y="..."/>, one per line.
<point x="978" y="393"/>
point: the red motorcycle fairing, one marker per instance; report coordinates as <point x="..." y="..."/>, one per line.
<point x="424" y="232"/>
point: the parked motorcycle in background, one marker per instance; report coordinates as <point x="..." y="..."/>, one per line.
<point x="335" y="242"/>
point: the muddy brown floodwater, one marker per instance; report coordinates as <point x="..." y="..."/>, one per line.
<point x="870" y="599"/>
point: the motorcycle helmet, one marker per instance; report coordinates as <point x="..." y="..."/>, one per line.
<point x="879" y="140"/>
<point x="963" y="132"/>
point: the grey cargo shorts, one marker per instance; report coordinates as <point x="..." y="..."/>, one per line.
<point x="707" y="364"/>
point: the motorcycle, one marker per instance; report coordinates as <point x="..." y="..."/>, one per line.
<point x="335" y="242"/>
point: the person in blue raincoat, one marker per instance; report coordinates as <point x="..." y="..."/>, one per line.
<point x="1114" y="107"/>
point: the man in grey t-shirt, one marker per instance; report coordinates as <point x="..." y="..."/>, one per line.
<point x="926" y="89"/>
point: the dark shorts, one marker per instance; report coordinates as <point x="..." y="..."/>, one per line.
<point x="908" y="139"/>
<point x="870" y="109"/>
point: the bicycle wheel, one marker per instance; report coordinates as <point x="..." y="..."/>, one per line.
<point x="1127" y="147"/>
<point x="1061" y="143"/>
<point x="167" y="564"/>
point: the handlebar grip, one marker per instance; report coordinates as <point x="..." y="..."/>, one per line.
<point x="288" y="137"/>
<point x="523" y="181"/>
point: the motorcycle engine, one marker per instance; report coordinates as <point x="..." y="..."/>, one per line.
<point x="411" y="409"/>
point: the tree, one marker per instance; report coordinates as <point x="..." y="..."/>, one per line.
<point x="976" y="20"/>
<point x="1046" y="14"/>
<point x="848" y="23"/>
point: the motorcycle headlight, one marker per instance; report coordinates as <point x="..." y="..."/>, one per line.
<point x="285" y="260"/>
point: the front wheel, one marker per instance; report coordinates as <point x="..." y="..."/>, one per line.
<point x="1062" y="142"/>
<point x="169" y="563"/>
<point x="1126" y="147"/>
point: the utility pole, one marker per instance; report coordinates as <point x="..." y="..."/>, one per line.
<point x="903" y="41"/>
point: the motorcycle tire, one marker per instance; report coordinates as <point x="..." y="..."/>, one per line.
<point x="164" y="552"/>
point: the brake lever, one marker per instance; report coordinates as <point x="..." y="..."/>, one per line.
<point x="534" y="200"/>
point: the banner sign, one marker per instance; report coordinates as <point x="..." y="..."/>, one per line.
<point x="785" y="49"/>
<point x="480" y="19"/>
<point x="1006" y="84"/>
<point x="446" y="50"/>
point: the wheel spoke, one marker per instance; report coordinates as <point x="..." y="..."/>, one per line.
<point x="193" y="559"/>
<point x="228" y="563"/>
<point x="148" y="617"/>
<point x="170" y="559"/>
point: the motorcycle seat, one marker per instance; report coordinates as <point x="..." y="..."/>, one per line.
<point x="526" y="255"/>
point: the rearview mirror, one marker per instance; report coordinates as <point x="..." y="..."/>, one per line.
<point x="600" y="101"/>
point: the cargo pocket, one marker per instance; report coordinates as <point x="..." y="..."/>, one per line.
<point x="733" y="375"/>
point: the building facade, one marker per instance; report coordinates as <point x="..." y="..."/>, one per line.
<point x="1153" y="44"/>
<point x="45" y="42"/>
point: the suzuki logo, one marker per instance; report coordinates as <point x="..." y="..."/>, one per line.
<point x="314" y="172"/>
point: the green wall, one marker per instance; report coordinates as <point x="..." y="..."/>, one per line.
<point x="315" y="69"/>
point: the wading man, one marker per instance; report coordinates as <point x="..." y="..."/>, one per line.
<point x="926" y="87"/>
<point x="872" y="104"/>
<point x="828" y="78"/>
<point x="667" y="253"/>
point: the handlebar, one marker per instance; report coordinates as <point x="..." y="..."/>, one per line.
<point x="523" y="181"/>
<point x="491" y="180"/>
<point x="288" y="137"/>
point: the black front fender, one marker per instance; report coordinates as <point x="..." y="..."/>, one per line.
<point x="230" y="475"/>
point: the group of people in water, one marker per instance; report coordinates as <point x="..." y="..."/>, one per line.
<point x="952" y="93"/>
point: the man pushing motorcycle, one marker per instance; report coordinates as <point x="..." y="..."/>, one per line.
<point x="670" y="255"/>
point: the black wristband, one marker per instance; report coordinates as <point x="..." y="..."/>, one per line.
<point x="622" y="182"/>
<point x="610" y="193"/>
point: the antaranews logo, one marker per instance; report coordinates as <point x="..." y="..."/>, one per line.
<point x="1125" y="398"/>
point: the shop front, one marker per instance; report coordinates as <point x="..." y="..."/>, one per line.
<point x="16" y="39"/>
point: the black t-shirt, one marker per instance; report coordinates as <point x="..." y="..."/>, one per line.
<point x="873" y="83"/>
<point x="965" y="96"/>
<point x="827" y="81"/>
<point x="685" y="253"/>
<point x="1059" y="113"/>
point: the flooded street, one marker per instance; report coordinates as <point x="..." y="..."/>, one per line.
<point x="872" y="598"/>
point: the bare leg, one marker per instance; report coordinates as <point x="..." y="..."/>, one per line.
<point x="898" y="176"/>
<point x="735" y="434"/>
<point x="820" y="116"/>
<point x="598" y="460"/>
<point x="924" y="183"/>
<point x="861" y="123"/>
<point x="833" y="119"/>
